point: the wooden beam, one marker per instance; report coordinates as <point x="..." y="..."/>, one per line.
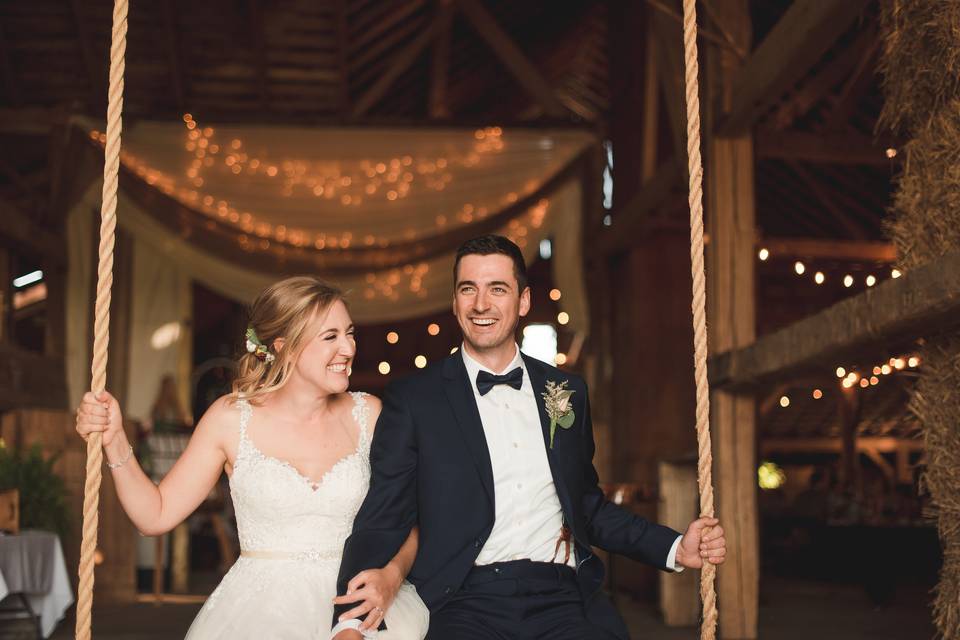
<point x="651" y="107"/>
<point x="629" y="220"/>
<point x="880" y="444"/>
<point x="797" y="42"/>
<point x="815" y="187"/>
<point x="512" y="57"/>
<point x="439" y="105"/>
<point x="258" y="36"/>
<point x="814" y="89"/>
<point x="20" y="228"/>
<point x="846" y="148"/>
<point x="670" y="54"/>
<point x="815" y="248"/>
<point x="401" y="63"/>
<point x="11" y="84"/>
<point x="855" y="87"/>
<point x="922" y="301"/>
<point x="173" y="51"/>
<point x="343" y="55"/>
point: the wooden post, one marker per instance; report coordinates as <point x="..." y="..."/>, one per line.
<point x="731" y="300"/>
<point x="679" y="602"/>
<point x="6" y="295"/>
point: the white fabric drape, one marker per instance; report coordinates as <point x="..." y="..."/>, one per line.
<point x="456" y="177"/>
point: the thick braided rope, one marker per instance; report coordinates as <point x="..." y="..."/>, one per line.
<point x="708" y="596"/>
<point x="101" y="323"/>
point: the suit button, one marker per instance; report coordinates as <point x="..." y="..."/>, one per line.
<point x="448" y="590"/>
<point x="496" y="570"/>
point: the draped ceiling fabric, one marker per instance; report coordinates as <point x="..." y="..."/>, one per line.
<point x="379" y="212"/>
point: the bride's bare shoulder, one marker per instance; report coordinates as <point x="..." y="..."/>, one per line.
<point x="223" y="415"/>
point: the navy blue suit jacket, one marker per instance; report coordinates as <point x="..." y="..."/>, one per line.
<point x="431" y="466"/>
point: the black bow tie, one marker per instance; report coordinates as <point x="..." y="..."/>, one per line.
<point x="487" y="381"/>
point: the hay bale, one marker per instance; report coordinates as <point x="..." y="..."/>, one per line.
<point x="921" y="81"/>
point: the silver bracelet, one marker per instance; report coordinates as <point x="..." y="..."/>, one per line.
<point x="126" y="459"/>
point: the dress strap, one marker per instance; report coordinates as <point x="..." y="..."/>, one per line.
<point x="245" y="412"/>
<point x="361" y="413"/>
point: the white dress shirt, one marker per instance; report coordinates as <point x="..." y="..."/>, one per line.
<point x="528" y="518"/>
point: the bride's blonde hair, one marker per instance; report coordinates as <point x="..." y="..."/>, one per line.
<point x="282" y="312"/>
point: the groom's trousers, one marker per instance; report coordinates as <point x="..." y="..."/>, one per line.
<point x="519" y="600"/>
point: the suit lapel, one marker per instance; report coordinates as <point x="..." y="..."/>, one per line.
<point x="538" y="379"/>
<point x="460" y="395"/>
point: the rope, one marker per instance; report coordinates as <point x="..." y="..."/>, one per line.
<point x="101" y="322"/>
<point x="708" y="596"/>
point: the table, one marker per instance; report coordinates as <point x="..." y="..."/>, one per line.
<point x="32" y="566"/>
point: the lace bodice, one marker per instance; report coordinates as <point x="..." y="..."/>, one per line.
<point x="280" y="511"/>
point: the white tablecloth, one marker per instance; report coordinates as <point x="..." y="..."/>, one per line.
<point x="32" y="563"/>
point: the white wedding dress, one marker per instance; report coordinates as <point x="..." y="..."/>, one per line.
<point x="291" y="535"/>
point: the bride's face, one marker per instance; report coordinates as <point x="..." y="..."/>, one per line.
<point x="329" y="348"/>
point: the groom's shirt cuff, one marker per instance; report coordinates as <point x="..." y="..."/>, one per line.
<point x="353" y="623"/>
<point x="672" y="557"/>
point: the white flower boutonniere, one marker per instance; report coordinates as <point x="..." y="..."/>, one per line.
<point x="556" y="400"/>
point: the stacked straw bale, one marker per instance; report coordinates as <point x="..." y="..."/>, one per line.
<point x="921" y="79"/>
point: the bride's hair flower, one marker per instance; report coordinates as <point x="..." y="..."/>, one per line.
<point x="257" y="348"/>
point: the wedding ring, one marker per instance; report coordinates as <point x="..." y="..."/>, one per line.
<point x="378" y="610"/>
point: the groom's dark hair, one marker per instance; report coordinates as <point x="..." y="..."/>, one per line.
<point x="493" y="244"/>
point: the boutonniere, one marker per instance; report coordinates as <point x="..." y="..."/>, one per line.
<point x="556" y="401"/>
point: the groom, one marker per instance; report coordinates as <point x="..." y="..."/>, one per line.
<point x="501" y="481"/>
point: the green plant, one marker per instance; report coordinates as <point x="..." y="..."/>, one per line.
<point x="43" y="495"/>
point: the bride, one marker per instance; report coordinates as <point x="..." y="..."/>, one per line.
<point x="295" y="444"/>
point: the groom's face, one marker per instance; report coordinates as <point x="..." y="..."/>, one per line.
<point x="487" y="301"/>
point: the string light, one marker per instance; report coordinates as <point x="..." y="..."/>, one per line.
<point x="895" y="273"/>
<point x="871" y="280"/>
<point x="817" y="394"/>
<point x="560" y="359"/>
<point x="349" y="183"/>
<point x="383" y="367"/>
<point x="393" y="337"/>
<point x="763" y="254"/>
<point x="818" y="277"/>
<point x="799" y="267"/>
<point x="841" y="372"/>
<point x="420" y="362"/>
<point x="891" y="153"/>
<point x="454" y="350"/>
<point x="848" y="281"/>
<point x="555" y="294"/>
<point x="784" y="401"/>
<point x="864" y="383"/>
<point x="874" y="380"/>
<point x="433" y="328"/>
<point x="563" y="317"/>
<point x="913" y="362"/>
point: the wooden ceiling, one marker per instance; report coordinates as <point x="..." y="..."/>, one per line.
<point x="820" y="172"/>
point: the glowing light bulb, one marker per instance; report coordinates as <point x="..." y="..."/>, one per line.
<point x="799" y="267"/>
<point x="841" y="372"/>
<point x="871" y="280"/>
<point x="560" y="359"/>
<point x="818" y="277"/>
<point x="393" y="337"/>
<point x="555" y="294"/>
<point x="784" y="401"/>
<point x="420" y="362"/>
<point x="848" y="281"/>
<point x="895" y="273"/>
<point x="763" y="254"/>
<point x="817" y="394"/>
<point x="384" y="368"/>
<point x="433" y="328"/>
<point x="563" y="317"/>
